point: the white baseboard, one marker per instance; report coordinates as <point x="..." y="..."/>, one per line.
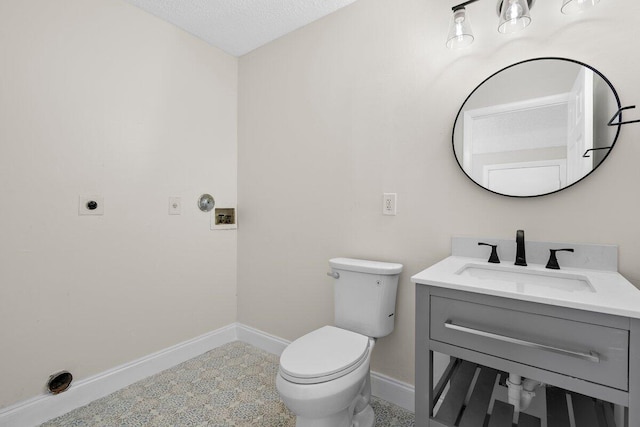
<point x="262" y="340"/>
<point x="382" y="386"/>
<point x="42" y="408"/>
<point x="394" y="391"/>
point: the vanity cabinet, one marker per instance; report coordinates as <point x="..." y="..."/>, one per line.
<point x="586" y="352"/>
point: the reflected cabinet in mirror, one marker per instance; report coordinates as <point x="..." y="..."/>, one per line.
<point x="536" y="127"/>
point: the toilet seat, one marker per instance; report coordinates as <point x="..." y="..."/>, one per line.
<point x="323" y="355"/>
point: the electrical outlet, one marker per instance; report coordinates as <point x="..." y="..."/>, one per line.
<point x="389" y="203"/>
<point x="175" y="206"/>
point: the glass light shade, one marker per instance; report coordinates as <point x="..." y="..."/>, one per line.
<point x="460" y="34"/>
<point x="576" y="6"/>
<point x="514" y="16"/>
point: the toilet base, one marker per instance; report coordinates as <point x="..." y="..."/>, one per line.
<point x="366" y="418"/>
<point x="340" y="419"/>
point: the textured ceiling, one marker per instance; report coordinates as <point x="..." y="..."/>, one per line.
<point x="239" y="26"/>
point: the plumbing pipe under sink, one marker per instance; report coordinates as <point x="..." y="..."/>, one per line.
<point x="520" y="393"/>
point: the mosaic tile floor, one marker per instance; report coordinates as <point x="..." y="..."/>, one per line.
<point x="231" y="386"/>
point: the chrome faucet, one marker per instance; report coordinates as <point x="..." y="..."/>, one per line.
<point x="521" y="258"/>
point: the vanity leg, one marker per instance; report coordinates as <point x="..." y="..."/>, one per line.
<point x="424" y="360"/>
<point x="633" y="412"/>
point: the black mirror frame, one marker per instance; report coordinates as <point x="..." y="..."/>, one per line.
<point x="615" y="139"/>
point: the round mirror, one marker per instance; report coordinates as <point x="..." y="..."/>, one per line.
<point x="536" y="127"/>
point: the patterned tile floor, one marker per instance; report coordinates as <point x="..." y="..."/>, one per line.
<point x="231" y="386"/>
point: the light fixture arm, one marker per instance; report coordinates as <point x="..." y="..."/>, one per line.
<point x="461" y="5"/>
<point x="468" y="2"/>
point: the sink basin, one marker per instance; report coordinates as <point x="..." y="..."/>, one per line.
<point x="523" y="278"/>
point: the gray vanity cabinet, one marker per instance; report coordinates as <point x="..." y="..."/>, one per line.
<point x="589" y="353"/>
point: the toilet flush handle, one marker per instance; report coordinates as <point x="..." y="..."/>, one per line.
<point x="334" y="275"/>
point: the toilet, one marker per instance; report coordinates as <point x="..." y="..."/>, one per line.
<point x="324" y="376"/>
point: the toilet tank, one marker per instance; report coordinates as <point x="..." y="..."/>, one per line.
<point x="365" y="295"/>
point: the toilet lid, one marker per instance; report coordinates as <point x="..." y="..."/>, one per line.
<point x="323" y="354"/>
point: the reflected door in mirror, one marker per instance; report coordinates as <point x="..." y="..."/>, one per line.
<point x="529" y="139"/>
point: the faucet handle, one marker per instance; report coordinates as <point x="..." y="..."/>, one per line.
<point x="553" y="261"/>
<point x="493" y="258"/>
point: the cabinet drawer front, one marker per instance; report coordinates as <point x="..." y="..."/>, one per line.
<point x="592" y="352"/>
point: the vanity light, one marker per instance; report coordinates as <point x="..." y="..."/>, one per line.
<point x="575" y="6"/>
<point x="514" y="16"/>
<point x="460" y="33"/>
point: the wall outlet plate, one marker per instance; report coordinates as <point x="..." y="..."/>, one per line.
<point x="389" y="203"/>
<point x="90" y="205"/>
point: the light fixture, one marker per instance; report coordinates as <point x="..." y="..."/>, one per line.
<point x="460" y="33"/>
<point x="575" y="6"/>
<point x="514" y="16"/>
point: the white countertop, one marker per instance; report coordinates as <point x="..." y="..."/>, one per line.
<point x="613" y="293"/>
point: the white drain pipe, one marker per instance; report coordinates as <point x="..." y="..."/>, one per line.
<point x="521" y="393"/>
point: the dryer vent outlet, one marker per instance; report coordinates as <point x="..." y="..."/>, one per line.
<point x="59" y="382"/>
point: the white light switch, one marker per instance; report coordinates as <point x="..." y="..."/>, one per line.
<point x="175" y="206"/>
<point x="389" y="203"/>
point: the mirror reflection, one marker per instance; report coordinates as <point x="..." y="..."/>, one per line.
<point x="536" y="127"/>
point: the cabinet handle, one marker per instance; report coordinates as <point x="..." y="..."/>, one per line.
<point x="591" y="356"/>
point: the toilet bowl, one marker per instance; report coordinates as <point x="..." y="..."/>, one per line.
<point x="324" y="379"/>
<point x="324" y="376"/>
